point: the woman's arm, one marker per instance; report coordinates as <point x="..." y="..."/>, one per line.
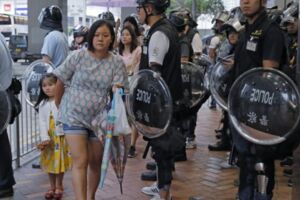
<point x="59" y="91"/>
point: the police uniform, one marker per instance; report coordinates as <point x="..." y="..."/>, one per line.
<point x="163" y="147"/>
<point x="262" y="40"/>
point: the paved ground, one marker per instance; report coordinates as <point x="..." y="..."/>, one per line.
<point x="201" y="175"/>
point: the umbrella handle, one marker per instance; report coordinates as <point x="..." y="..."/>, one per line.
<point x="121" y="187"/>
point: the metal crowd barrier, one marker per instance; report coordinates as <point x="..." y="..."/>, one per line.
<point x="24" y="132"/>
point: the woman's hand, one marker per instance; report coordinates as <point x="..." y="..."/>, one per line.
<point x="116" y="86"/>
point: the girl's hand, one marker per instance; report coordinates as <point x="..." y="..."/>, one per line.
<point x="44" y="144"/>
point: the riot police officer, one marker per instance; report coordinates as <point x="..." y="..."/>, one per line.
<point x="262" y="44"/>
<point x="290" y="24"/>
<point x="80" y="33"/>
<point x="55" y="47"/>
<point x="161" y="53"/>
<point x="215" y="42"/>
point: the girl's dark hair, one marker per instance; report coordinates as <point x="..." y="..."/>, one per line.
<point x="132" y="21"/>
<point x="93" y="30"/>
<point x="134" y="41"/>
<point x="42" y="95"/>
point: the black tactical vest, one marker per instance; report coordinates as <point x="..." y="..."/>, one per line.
<point x="170" y="70"/>
<point x="244" y="59"/>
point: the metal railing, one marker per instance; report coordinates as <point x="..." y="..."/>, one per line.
<point x="24" y="132"/>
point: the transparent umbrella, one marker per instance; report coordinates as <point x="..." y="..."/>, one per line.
<point x="119" y="151"/>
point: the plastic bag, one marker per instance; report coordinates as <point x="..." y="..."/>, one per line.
<point x="121" y="122"/>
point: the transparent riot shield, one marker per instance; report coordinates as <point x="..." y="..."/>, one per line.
<point x="32" y="77"/>
<point x="263" y="105"/>
<point x="192" y="84"/>
<point x="5" y="109"/>
<point x="221" y="79"/>
<point x="149" y="103"/>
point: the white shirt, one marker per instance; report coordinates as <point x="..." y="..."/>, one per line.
<point x="214" y="42"/>
<point x="197" y="43"/>
<point x="158" y="47"/>
<point x="45" y="108"/>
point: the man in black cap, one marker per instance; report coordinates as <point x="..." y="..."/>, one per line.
<point x="55" y="47"/>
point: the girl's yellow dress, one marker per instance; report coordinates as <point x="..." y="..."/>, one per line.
<point x="55" y="158"/>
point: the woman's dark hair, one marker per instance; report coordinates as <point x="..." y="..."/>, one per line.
<point x="42" y="95"/>
<point x="133" y="21"/>
<point x="134" y="41"/>
<point x="93" y="30"/>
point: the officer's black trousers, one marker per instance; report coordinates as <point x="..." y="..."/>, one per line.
<point x="248" y="179"/>
<point x="192" y="117"/>
<point x="246" y="162"/>
<point x="6" y="171"/>
<point x="165" y="164"/>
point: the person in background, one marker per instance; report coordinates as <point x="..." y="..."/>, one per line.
<point x="290" y="24"/>
<point x="215" y="42"/>
<point x="55" y="157"/>
<point x="55" y="47"/>
<point x="94" y="72"/>
<point x="80" y="33"/>
<point x="132" y="22"/>
<point x="7" y="180"/>
<point x="130" y="51"/>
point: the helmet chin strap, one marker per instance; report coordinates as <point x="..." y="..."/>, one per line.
<point x="147" y="15"/>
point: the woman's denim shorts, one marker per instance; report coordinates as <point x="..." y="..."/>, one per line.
<point x="78" y="130"/>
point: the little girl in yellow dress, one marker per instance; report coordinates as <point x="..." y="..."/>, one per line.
<point x="55" y="156"/>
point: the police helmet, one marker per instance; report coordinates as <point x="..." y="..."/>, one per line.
<point x="290" y="14"/>
<point x="222" y="16"/>
<point x="187" y="15"/>
<point x="80" y="30"/>
<point x="232" y="24"/>
<point x="160" y="5"/>
<point x="292" y="9"/>
<point x="50" y="18"/>
<point x="108" y="16"/>
<point x="178" y="21"/>
<point x="237" y="14"/>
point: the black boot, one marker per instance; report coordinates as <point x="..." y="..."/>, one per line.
<point x="151" y="165"/>
<point x="149" y="175"/>
<point x="219" y="146"/>
<point x="9" y="192"/>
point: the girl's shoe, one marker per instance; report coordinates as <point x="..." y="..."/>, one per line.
<point x="58" y="194"/>
<point x="49" y="194"/>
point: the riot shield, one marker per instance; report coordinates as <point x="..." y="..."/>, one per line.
<point x="221" y="79"/>
<point x="263" y="105"/>
<point x="192" y="84"/>
<point x="5" y="110"/>
<point x="149" y="103"/>
<point x="32" y="77"/>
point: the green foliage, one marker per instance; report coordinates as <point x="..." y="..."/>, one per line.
<point x="202" y="6"/>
